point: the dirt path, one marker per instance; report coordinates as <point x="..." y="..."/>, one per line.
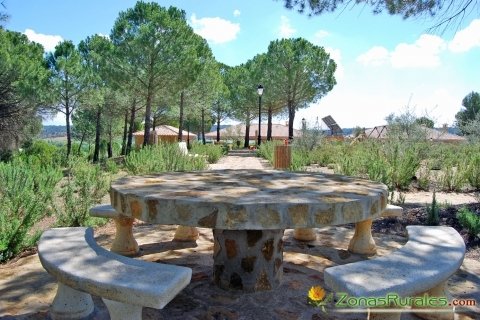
<point x="26" y="289"/>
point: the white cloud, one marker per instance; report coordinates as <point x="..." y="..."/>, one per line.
<point x="336" y="55"/>
<point x="47" y="41"/>
<point x="216" y="30"/>
<point x="320" y="35"/>
<point x="236" y="13"/>
<point x="286" y="30"/>
<point x="424" y="53"/>
<point x="376" y="56"/>
<point x="106" y="36"/>
<point x="467" y="38"/>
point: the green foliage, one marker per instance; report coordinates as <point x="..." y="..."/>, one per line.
<point x="425" y="121"/>
<point x="297" y="73"/>
<point x="326" y="152"/>
<point x="25" y="198"/>
<point x="310" y="138"/>
<point x="111" y="166"/>
<point x="403" y="163"/>
<point x="405" y="9"/>
<point x="67" y="82"/>
<point x="23" y="83"/>
<point x="162" y="158"/>
<point x="423" y="177"/>
<point x="266" y="150"/>
<point x="470" y="110"/>
<point x="300" y="159"/>
<point x="212" y="152"/>
<point x="472" y="170"/>
<point x="433" y="217"/>
<point x="157" y="51"/>
<point x="44" y="153"/>
<point x="469" y="220"/>
<point x="85" y="186"/>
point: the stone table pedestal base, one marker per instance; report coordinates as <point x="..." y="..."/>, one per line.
<point x="248" y="260"/>
<point x="362" y="241"/>
<point x="305" y="234"/>
<point x="184" y="233"/>
<point x="124" y="242"/>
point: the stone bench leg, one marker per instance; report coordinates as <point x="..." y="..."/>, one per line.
<point x="438" y="291"/>
<point x="123" y="311"/>
<point x="185" y="234"/>
<point x="304" y="234"/>
<point x="362" y="241"/>
<point x="70" y="304"/>
<point x="124" y="242"/>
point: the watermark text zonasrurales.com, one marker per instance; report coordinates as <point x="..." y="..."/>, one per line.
<point x="394" y="300"/>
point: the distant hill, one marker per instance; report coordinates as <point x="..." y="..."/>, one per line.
<point x="451" y="130"/>
<point x="53" y="131"/>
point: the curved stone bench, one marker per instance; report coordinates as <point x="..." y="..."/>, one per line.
<point x="422" y="266"/>
<point x="126" y="285"/>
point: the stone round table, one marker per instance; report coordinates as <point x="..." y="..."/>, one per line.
<point x="248" y="212"/>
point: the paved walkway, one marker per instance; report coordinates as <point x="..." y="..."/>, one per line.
<point x="240" y="159"/>
<point x="26" y="289"/>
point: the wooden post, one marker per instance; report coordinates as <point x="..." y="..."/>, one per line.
<point x="282" y="157"/>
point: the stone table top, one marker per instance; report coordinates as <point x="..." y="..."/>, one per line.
<point x="248" y="199"/>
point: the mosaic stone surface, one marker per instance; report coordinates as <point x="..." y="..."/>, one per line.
<point x="249" y="260"/>
<point x="248" y="199"/>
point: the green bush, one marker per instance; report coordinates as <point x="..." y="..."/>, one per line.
<point x="469" y="220"/>
<point x="25" y="198"/>
<point x="86" y="185"/>
<point x="453" y="178"/>
<point x="403" y="162"/>
<point x="472" y="171"/>
<point x="111" y="166"/>
<point x="433" y="218"/>
<point x="300" y="159"/>
<point x="162" y="158"/>
<point x="212" y="152"/>
<point x="266" y="150"/>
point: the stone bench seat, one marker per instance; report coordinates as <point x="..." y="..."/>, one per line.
<point x="392" y="211"/>
<point x="422" y="265"/>
<point x="82" y="267"/>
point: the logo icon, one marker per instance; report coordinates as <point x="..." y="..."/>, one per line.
<point x="317" y="296"/>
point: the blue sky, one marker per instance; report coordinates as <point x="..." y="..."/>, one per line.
<point x="385" y="64"/>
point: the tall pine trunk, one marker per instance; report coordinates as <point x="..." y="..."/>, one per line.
<point x="203" y="127"/>
<point x="148" y="112"/>
<point x="269" y="124"/>
<point x="110" y="138"/>
<point x="218" y="126"/>
<point x="125" y="132"/>
<point x="81" y="142"/>
<point x="180" y="122"/>
<point x="69" y="133"/>
<point x="247" y="132"/>
<point x="291" y="117"/>
<point x="96" y="150"/>
<point x="131" y="125"/>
